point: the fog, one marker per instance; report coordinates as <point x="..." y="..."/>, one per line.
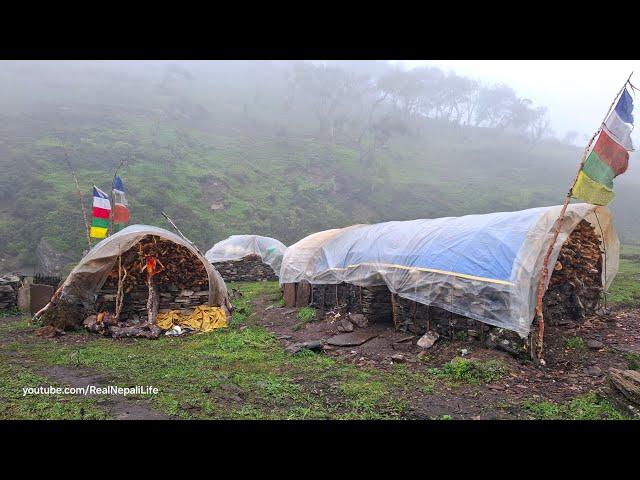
<point x="576" y="92"/>
<point x="287" y="148"/>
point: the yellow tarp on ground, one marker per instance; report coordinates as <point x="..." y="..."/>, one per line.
<point x="203" y="318"/>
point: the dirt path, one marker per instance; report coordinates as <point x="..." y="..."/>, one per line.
<point x="117" y="406"/>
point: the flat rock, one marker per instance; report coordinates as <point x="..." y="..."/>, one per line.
<point x="402" y="346"/>
<point x="398" y="358"/>
<point x="345" y="325"/>
<point x="594" y="371"/>
<point x="358" y="319"/>
<point x="351" y="339"/>
<point x="595" y="344"/>
<point x="313" y="345"/>
<point x="428" y="339"/>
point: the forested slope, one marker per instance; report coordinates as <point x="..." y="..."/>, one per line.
<point x="272" y="148"/>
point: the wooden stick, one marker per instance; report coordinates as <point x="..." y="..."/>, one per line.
<point x="180" y="233"/>
<point x="75" y="179"/>
<point x="537" y="355"/>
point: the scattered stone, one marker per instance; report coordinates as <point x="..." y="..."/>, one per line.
<point x="595" y="344"/>
<point x="9" y="286"/>
<point x="428" y="339"/>
<point x="345" y="326"/>
<point x="351" y="339"/>
<point x="594" y="371"/>
<point x="313" y="345"/>
<point x="398" y="358"/>
<point x="48" y="331"/>
<point x="464" y="352"/>
<point x="423" y="355"/>
<point x="627" y="382"/>
<point x="358" y="319"/>
<point x="402" y="346"/>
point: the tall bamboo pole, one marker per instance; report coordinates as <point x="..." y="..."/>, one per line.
<point x="79" y="193"/>
<point x="544" y="276"/>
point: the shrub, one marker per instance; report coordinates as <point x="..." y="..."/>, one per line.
<point x="471" y="371"/>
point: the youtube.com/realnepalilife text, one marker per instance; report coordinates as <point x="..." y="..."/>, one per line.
<point x="91" y="390"/>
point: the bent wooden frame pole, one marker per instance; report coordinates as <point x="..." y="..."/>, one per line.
<point x="544" y="274"/>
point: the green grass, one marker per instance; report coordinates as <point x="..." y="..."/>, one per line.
<point x="304" y="315"/>
<point x="228" y="374"/>
<point x="625" y="290"/>
<point x="574" y="343"/>
<point x="15" y="406"/>
<point x="633" y="361"/>
<point x="471" y="371"/>
<point x="583" y="407"/>
<point x="10" y="312"/>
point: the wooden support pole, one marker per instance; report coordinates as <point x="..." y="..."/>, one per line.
<point x="537" y="352"/>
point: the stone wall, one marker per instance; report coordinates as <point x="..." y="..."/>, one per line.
<point x="9" y="285"/>
<point x="134" y="306"/>
<point x="247" y="269"/>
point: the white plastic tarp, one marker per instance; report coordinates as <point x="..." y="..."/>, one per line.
<point x="236" y="247"/>
<point x="484" y="267"/>
<point x="86" y="279"/>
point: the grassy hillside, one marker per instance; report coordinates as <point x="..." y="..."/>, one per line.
<point x="234" y="168"/>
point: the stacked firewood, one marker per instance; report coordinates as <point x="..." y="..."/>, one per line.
<point x="575" y="287"/>
<point x="9" y="285"/>
<point x="373" y="302"/>
<point x="335" y="297"/>
<point x="182" y="284"/>
<point x="182" y="269"/>
<point x="135" y="301"/>
<point x="248" y="269"/>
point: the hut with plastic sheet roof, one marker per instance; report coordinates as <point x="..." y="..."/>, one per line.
<point x="247" y="258"/>
<point x="120" y="274"/>
<point x="451" y="273"/>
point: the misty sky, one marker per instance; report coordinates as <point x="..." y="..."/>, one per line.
<point x="576" y="92"/>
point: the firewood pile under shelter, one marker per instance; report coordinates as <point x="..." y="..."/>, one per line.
<point x="470" y="273"/>
<point x="132" y="278"/>
<point x="247" y="258"/>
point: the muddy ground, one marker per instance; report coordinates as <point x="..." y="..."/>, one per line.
<point x="606" y="342"/>
<point x="570" y="370"/>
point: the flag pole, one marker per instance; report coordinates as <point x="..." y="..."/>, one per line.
<point x="544" y="276"/>
<point x="79" y="193"/>
<point x="111" y="215"/>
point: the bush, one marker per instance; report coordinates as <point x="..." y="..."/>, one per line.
<point x="305" y="315"/>
<point x="574" y="343"/>
<point x="471" y="371"/>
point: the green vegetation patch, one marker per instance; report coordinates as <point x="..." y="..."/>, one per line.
<point x="583" y="407"/>
<point x="237" y="373"/>
<point x="625" y="290"/>
<point x="574" y="343"/>
<point x="633" y="360"/>
<point x="15" y="406"/>
<point x="471" y="371"/>
<point x="305" y="315"/>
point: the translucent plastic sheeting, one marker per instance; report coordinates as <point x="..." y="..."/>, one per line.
<point x="86" y="279"/>
<point x="484" y="267"/>
<point x="239" y="246"/>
